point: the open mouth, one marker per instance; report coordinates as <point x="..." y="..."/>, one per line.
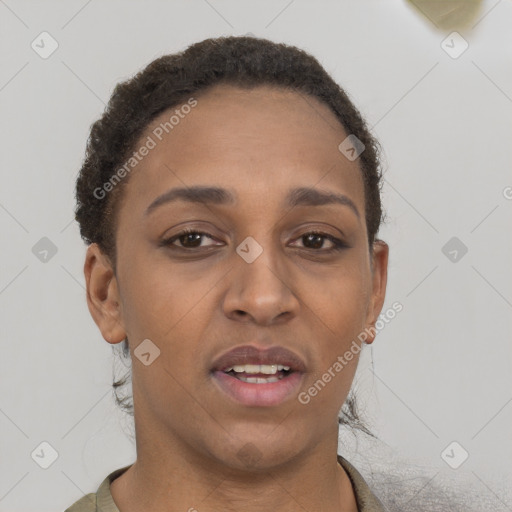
<point x="256" y="377"/>
<point x="258" y="389"/>
<point x="258" y="373"/>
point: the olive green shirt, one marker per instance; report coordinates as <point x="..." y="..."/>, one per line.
<point x="102" y="501"/>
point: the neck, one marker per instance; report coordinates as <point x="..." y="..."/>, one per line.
<point x="176" y="477"/>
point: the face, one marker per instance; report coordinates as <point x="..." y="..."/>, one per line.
<point x="268" y="263"/>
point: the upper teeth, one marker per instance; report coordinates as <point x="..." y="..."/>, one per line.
<point x="268" y="369"/>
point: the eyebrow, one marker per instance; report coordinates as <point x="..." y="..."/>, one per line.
<point x="302" y="196"/>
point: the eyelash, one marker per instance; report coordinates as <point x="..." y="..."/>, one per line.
<point x="338" y="244"/>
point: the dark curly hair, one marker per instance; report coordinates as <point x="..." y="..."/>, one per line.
<point x="171" y="80"/>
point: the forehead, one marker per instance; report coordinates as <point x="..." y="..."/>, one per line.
<point x="260" y="141"/>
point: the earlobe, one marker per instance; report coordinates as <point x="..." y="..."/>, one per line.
<point x="380" y="257"/>
<point x="103" y="295"/>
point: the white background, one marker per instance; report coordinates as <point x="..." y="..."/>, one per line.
<point x="441" y="369"/>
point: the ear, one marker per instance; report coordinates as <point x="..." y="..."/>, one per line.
<point x="379" y="268"/>
<point x="103" y="295"/>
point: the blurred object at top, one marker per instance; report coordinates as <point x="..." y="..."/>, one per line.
<point x="451" y="14"/>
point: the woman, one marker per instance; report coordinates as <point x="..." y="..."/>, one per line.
<point x="230" y="197"/>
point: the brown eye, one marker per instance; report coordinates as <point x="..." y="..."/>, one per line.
<point x="188" y="239"/>
<point x="315" y="240"/>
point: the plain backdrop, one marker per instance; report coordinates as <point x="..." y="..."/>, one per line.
<point x="438" y="373"/>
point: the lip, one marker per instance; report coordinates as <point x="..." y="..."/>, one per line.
<point x="258" y="395"/>
<point x="249" y="354"/>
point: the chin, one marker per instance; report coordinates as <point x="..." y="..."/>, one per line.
<point x="257" y="453"/>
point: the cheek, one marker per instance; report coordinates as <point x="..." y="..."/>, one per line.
<point x="160" y="299"/>
<point x="340" y="306"/>
<point x="339" y="318"/>
<point x="337" y="346"/>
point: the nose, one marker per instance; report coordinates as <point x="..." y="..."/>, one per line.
<point x="260" y="291"/>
